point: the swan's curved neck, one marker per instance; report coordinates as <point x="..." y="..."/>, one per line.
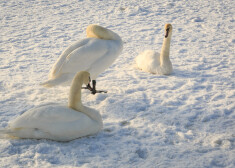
<point x="76" y="103"/>
<point x="75" y="94"/>
<point x="96" y="31"/>
<point x="165" y="51"/>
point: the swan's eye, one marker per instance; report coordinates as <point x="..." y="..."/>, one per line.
<point x="89" y="79"/>
<point x="168" y="29"/>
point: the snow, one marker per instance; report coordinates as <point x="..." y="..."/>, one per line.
<point x="186" y="119"/>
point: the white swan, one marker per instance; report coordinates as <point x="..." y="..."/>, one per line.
<point x="93" y="54"/>
<point x="58" y="122"/>
<point x="153" y="62"/>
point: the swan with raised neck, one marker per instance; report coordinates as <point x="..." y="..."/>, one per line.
<point x="165" y="51"/>
<point x="153" y="62"/>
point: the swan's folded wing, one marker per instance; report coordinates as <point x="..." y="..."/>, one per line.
<point x="83" y="57"/>
<point x="59" y="63"/>
<point x="54" y="122"/>
<point x="36" y="117"/>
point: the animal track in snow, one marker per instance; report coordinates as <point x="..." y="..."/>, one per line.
<point x="142" y="153"/>
<point x="124" y="123"/>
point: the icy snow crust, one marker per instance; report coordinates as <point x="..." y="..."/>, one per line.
<point x="186" y="119"/>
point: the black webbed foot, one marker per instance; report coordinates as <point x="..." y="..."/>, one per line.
<point x="93" y="88"/>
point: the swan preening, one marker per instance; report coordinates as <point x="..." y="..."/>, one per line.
<point x="58" y="122"/>
<point x="153" y="62"/>
<point x="93" y="54"/>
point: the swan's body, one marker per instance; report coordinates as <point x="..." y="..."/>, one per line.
<point x="153" y="62"/>
<point x="58" y="122"/>
<point x="93" y="54"/>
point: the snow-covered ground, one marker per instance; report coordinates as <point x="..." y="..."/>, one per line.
<point x="186" y="119"/>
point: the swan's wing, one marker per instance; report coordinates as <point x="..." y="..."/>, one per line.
<point x="84" y="56"/>
<point x="148" y="60"/>
<point x="48" y="114"/>
<point x="54" y="122"/>
<point x="59" y="63"/>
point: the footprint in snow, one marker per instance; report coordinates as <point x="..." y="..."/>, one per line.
<point x="124" y="123"/>
<point x="100" y="97"/>
<point x="142" y="153"/>
<point x="108" y="130"/>
<point x="197" y="19"/>
<point x="222" y="143"/>
<point x="183" y="51"/>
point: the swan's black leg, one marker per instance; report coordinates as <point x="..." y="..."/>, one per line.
<point x="93" y="88"/>
<point x="93" y="91"/>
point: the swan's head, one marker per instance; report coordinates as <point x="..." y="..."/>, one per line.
<point x="100" y="32"/>
<point x="168" y="29"/>
<point x="83" y="76"/>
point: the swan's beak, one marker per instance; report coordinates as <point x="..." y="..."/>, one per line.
<point x="167" y="31"/>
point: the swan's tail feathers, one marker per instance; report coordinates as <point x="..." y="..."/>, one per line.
<point x="5" y="133"/>
<point x="63" y="79"/>
<point x="50" y="83"/>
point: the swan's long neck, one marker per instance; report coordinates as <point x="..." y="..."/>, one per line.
<point x="165" y="51"/>
<point x="75" y="101"/>
<point x="75" y="94"/>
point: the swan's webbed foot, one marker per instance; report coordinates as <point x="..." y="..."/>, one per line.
<point x="88" y="87"/>
<point x="93" y="88"/>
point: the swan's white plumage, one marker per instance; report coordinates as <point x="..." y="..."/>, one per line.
<point x="149" y="61"/>
<point x="93" y="54"/>
<point x="157" y="63"/>
<point x="57" y="122"/>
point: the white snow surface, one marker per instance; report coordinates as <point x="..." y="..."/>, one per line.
<point x="186" y="119"/>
